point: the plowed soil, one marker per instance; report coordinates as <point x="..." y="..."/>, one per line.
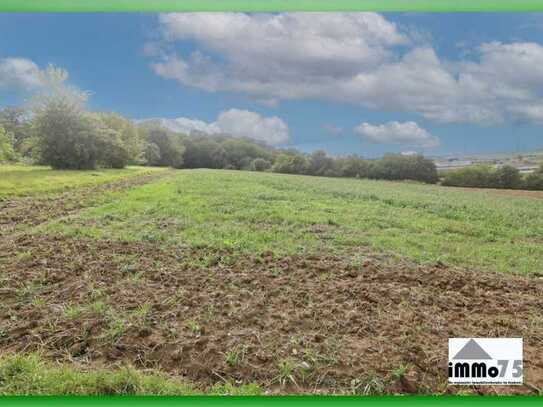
<point x="321" y="323"/>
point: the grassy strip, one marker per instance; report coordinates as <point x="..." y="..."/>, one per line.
<point x="30" y="375"/>
<point x="21" y="180"/>
<point x="254" y="212"/>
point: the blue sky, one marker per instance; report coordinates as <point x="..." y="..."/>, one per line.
<point x="435" y="83"/>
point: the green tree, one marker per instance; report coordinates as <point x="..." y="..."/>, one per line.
<point x="127" y="134"/>
<point x="240" y="152"/>
<point x="422" y="169"/>
<point x="151" y="154"/>
<point x="114" y="153"/>
<point x="7" y="151"/>
<point x="398" y="167"/>
<point x="475" y="177"/>
<point x="68" y="138"/>
<point x="203" y="152"/>
<point x="507" y="177"/>
<point x="170" y="146"/>
<point x="260" y="164"/>
<point x="353" y="166"/>
<point x="30" y="148"/>
<point x="219" y="157"/>
<point x="320" y="164"/>
<point x="534" y="181"/>
<point x="16" y="122"/>
<point x="290" y="164"/>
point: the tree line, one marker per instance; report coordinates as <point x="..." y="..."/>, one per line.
<point x="58" y="131"/>
<point x="504" y="177"/>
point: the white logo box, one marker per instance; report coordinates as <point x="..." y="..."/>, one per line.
<point x="493" y="361"/>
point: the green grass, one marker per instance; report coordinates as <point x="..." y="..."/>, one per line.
<point x="30" y="375"/>
<point x="20" y="180"/>
<point x="254" y="212"/>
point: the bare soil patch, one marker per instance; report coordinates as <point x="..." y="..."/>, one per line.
<point x="318" y="323"/>
<point x="34" y="210"/>
<point x="507" y="192"/>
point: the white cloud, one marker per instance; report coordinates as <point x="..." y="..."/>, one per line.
<point x="19" y="73"/>
<point x="240" y="123"/>
<point x="342" y="42"/>
<point x="508" y="79"/>
<point x="529" y="112"/>
<point x="184" y="125"/>
<point x="272" y="130"/>
<point x="407" y="133"/>
<point x="275" y="56"/>
<point x="351" y="58"/>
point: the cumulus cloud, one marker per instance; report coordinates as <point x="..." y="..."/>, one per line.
<point x="508" y="79"/>
<point x="299" y="42"/>
<point x="184" y="125"/>
<point x="19" y="73"/>
<point x="272" y="130"/>
<point x="275" y="56"/>
<point x="241" y="123"/>
<point x="407" y="133"/>
<point x="358" y="58"/>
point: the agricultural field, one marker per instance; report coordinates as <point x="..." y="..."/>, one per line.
<point x="24" y="180"/>
<point x="156" y="281"/>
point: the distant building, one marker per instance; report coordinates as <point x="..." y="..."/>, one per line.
<point x="452" y="164"/>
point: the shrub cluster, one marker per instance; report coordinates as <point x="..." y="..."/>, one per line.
<point x="7" y="151"/>
<point x="393" y="167"/>
<point x="64" y="136"/>
<point x="505" y="177"/>
<point x="15" y="132"/>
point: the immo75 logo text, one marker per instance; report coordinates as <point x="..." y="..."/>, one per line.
<point x="485" y="361"/>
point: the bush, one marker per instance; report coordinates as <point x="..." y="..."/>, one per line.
<point x="290" y="164"/>
<point x="170" y="147"/>
<point x="507" y="177"/>
<point x="30" y="148"/>
<point x="353" y="166"/>
<point x="7" y="141"/>
<point x="260" y="164"/>
<point x="534" y="181"/>
<point x="114" y="152"/>
<point x="398" y="167"/>
<point x="473" y="177"/>
<point x="240" y="152"/>
<point x="127" y="139"/>
<point x="151" y="154"/>
<point x="320" y="164"/>
<point x="68" y="138"/>
<point x="15" y="121"/>
<point x="202" y="152"/>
